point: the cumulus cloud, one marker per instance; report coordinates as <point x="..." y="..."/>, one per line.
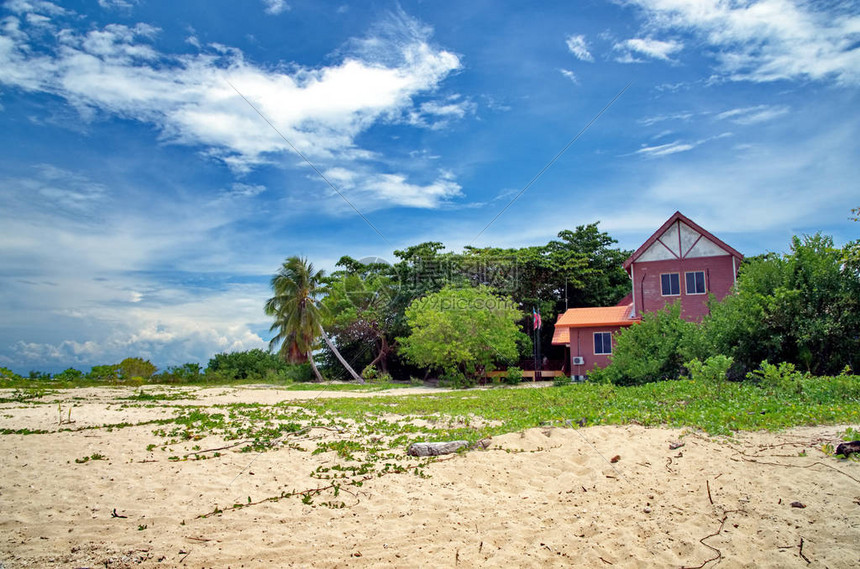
<point x="577" y="45"/>
<point x="199" y="100"/>
<point x="768" y="40"/>
<point x="191" y="330"/>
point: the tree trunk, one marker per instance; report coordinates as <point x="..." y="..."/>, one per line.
<point x="332" y="347"/>
<point x="382" y="357"/>
<point x="314" y="367"/>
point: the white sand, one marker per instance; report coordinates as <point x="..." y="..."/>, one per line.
<point x="542" y="498"/>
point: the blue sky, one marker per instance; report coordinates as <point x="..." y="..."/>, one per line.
<point x="144" y="202"/>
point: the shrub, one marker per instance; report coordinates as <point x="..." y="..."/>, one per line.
<point x="70" y="374"/>
<point x="456" y="379"/>
<point x="712" y="371"/>
<point x="251" y="365"/>
<point x="514" y="376"/>
<point x="561" y="380"/>
<point x="653" y="350"/>
<point x="8" y="374"/>
<point x="103" y="373"/>
<point x="136" y="367"/>
<point x="782" y="378"/>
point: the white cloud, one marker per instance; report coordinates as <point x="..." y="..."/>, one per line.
<point x="768" y="40"/>
<point x="665" y="149"/>
<point x="246" y="190"/>
<point x="321" y="111"/>
<point x="118" y="4"/>
<point x="372" y="191"/>
<point x="649" y="47"/>
<point x="570" y="75"/>
<point x="437" y="115"/>
<point x="579" y="47"/>
<point x="192" y="330"/>
<point x="753" y="115"/>
<point x="682" y="116"/>
<point x="276" y="7"/>
<point x="34" y="7"/>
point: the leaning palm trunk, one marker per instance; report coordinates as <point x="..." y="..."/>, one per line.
<point x="314" y="367"/>
<point x="332" y="347"/>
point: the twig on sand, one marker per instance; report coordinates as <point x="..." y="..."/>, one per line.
<point x="187" y="553"/>
<point x="745" y="459"/>
<point x="712" y="548"/>
<point x="218" y="448"/>
<point x="800" y="550"/>
<point x="708" y="485"/>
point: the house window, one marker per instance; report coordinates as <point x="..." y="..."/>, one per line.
<point x="670" y="284"/>
<point x="602" y="343"/>
<point x="696" y="282"/>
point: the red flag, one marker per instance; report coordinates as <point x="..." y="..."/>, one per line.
<point x="537" y="320"/>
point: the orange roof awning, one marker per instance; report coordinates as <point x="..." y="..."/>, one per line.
<point x="591" y="318"/>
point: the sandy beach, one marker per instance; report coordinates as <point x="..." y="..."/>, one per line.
<point x="624" y="496"/>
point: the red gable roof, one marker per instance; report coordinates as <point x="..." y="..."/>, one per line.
<point x="678" y="216"/>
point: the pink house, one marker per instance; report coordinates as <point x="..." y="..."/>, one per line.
<point x="680" y="261"/>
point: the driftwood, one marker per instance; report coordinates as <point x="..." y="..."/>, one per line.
<point x="847" y="448"/>
<point x="435" y="449"/>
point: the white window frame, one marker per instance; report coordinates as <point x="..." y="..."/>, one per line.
<point x="662" y="292"/>
<point x="687" y="283"/>
<point x="603" y="341"/>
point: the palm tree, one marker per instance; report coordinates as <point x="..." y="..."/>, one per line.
<point x="298" y="319"/>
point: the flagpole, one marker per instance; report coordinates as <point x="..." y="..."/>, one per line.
<point x="534" y="343"/>
<point x="538" y="374"/>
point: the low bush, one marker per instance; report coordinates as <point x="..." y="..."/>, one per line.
<point x="514" y="376"/>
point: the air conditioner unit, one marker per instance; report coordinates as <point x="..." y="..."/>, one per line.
<point x="578" y="361"/>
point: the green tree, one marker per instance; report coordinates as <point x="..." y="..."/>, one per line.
<point x="298" y="320"/>
<point x="136" y="367"/>
<point x="253" y="364"/>
<point x="802" y="307"/>
<point x="70" y="374"/>
<point x="9" y="375"/>
<point x="103" y="373"/>
<point x="653" y="350"/>
<point x="851" y="250"/>
<point x="462" y="330"/>
<point x="359" y="310"/>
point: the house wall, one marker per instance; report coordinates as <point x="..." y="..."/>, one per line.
<point x="719" y="279"/>
<point x="582" y="344"/>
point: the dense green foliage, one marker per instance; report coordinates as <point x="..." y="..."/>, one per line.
<point x="136" y="367"/>
<point x="462" y="331"/>
<point x="652" y="350"/>
<point x="677" y="403"/>
<point x="365" y="302"/>
<point x="253" y="364"/>
<point x="801" y="308"/>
